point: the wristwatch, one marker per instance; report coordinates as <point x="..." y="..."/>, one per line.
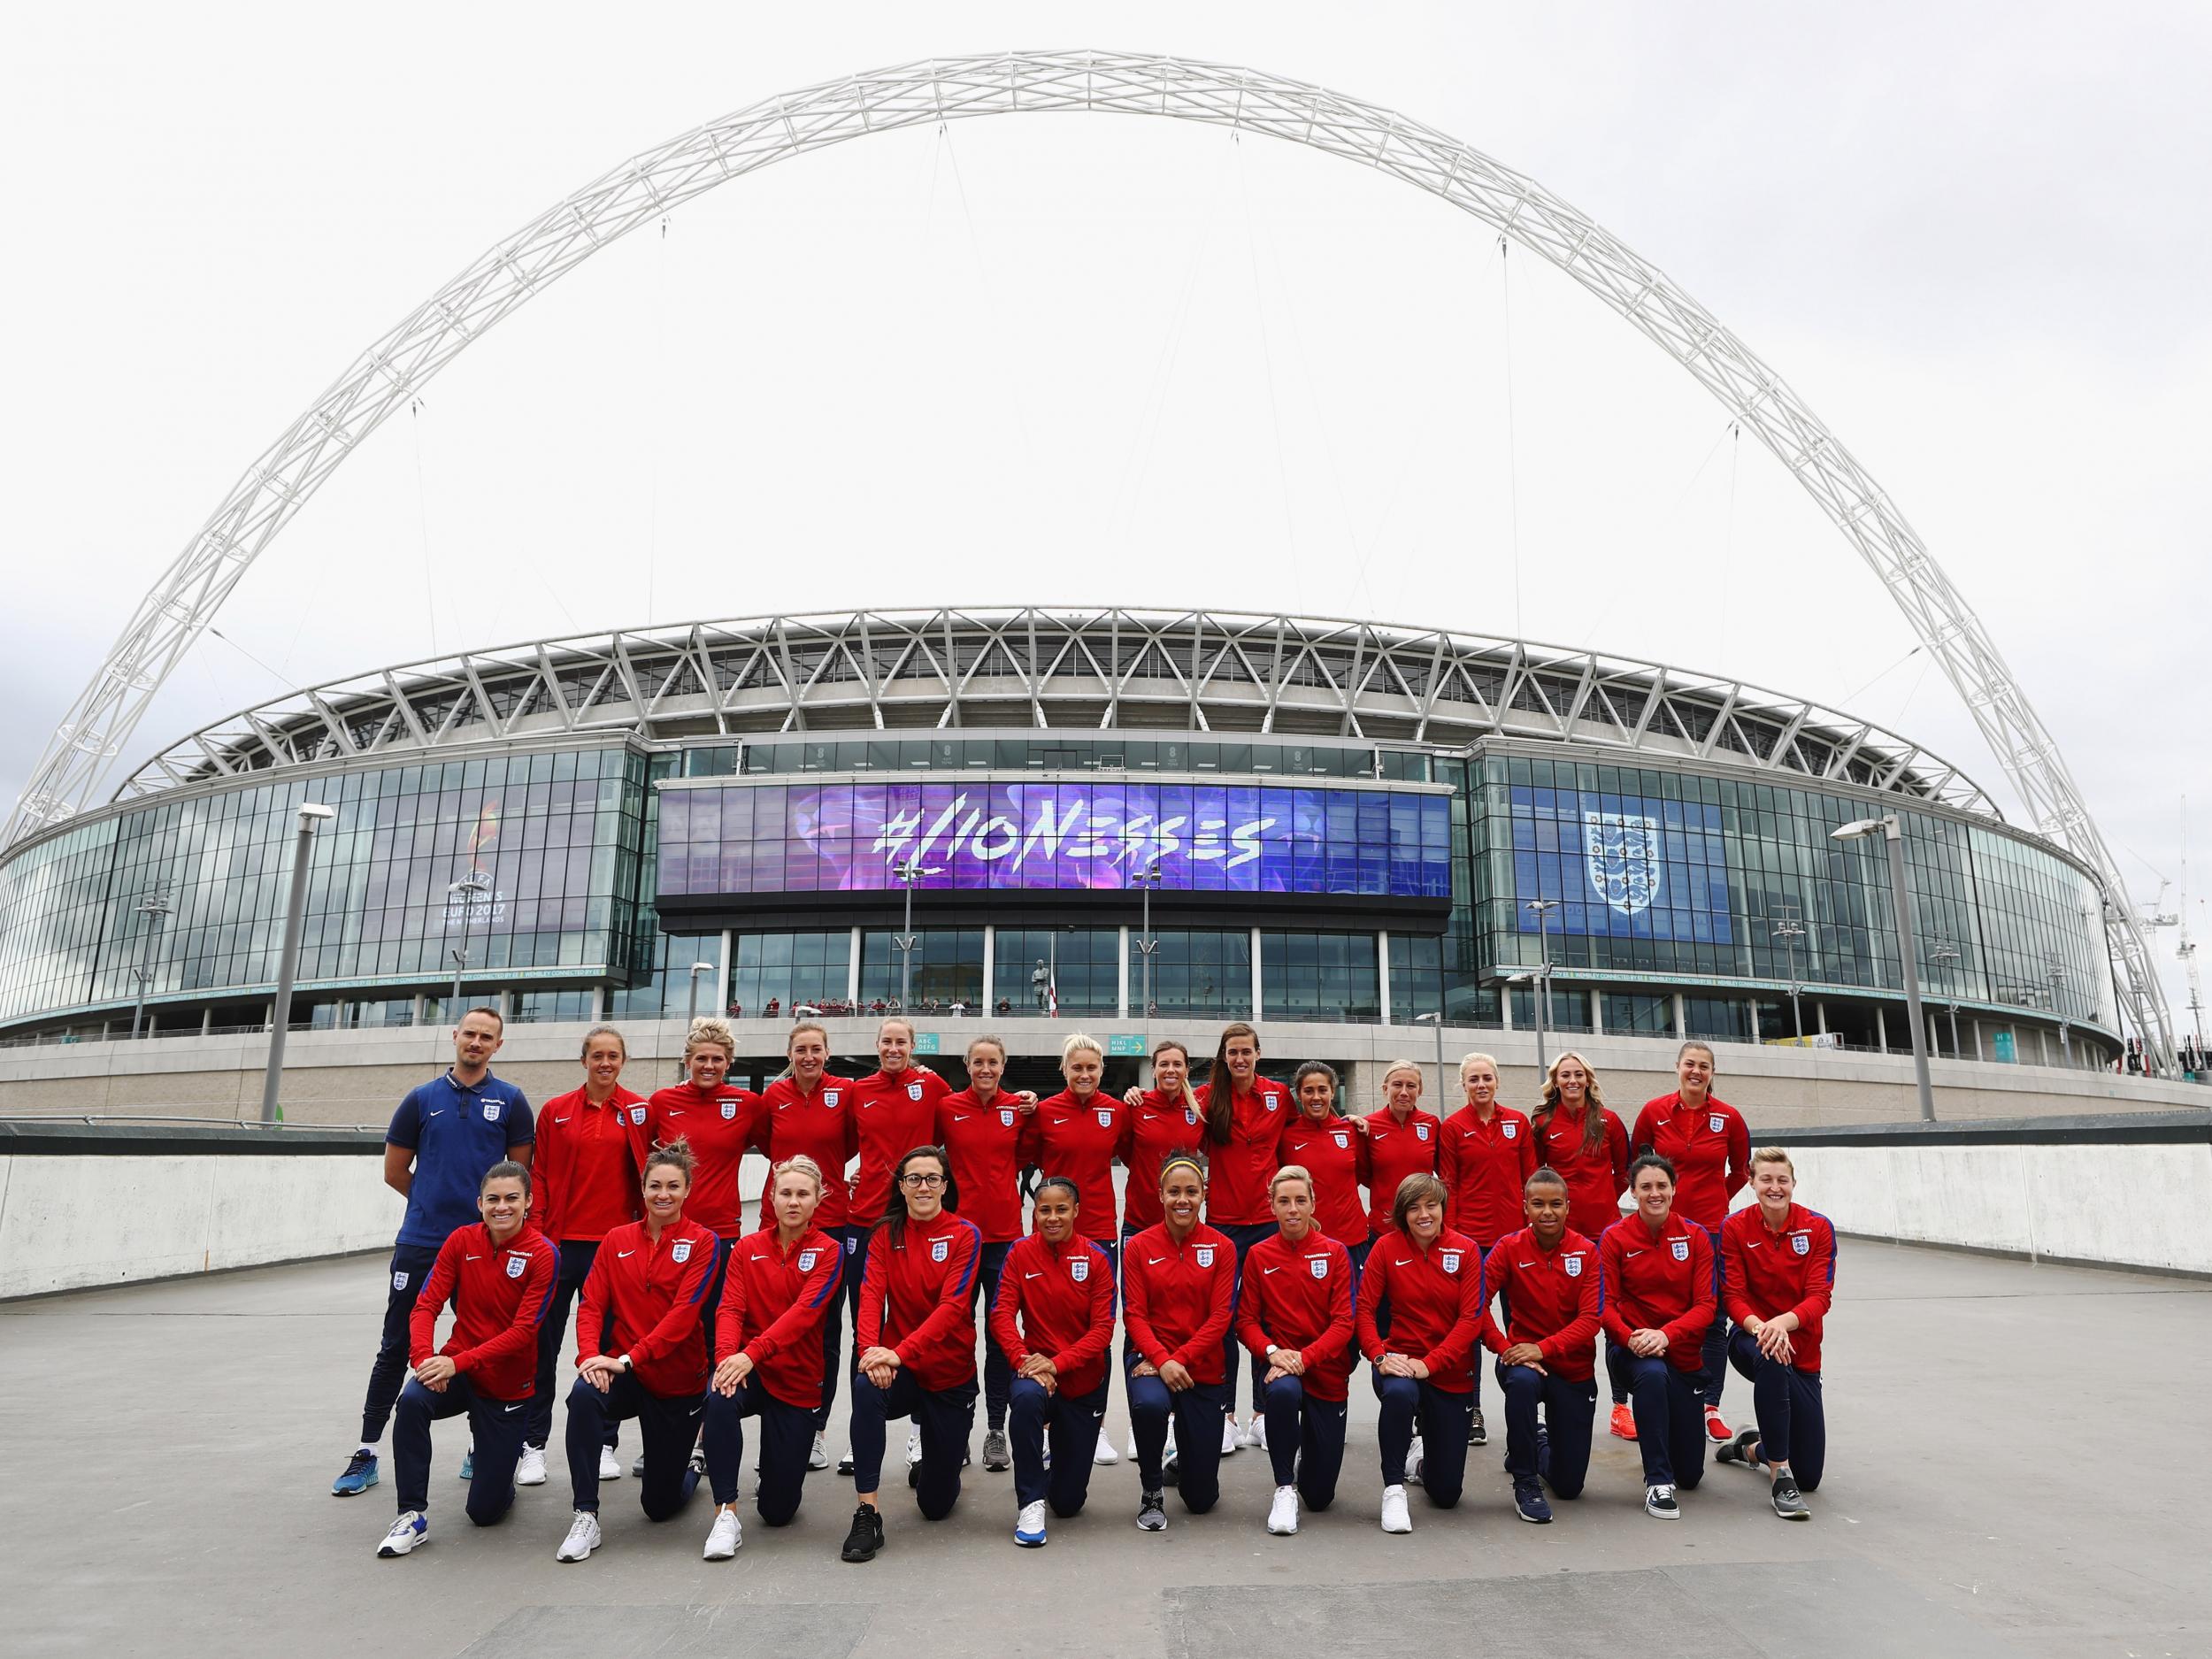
<point x="1270" y="1350"/>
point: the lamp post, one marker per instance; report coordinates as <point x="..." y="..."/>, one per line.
<point x="691" y="1010"/>
<point x="1888" y="828"/>
<point x="311" y="814"/>
<point x="2057" y="977"/>
<point x="1052" y="967"/>
<point x="1543" y="908"/>
<point x="1789" y="930"/>
<point x="154" y="906"/>
<point x="1437" y="1019"/>
<point x="1946" y="955"/>
<point x="907" y="873"/>
<point x="468" y="889"/>
<point x="1148" y="879"/>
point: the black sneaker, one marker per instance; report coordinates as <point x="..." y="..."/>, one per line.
<point x="866" y="1537"/>
<point x="1477" y="1435"/>
<point x="1152" y="1513"/>
<point x="845" y="1465"/>
<point x="1659" y="1501"/>
<point x="1739" y="1449"/>
<point x="1789" y="1503"/>
<point x="1528" y="1499"/>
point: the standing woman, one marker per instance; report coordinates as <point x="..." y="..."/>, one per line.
<point x="640" y="1351"/>
<point x="771" y="1352"/>
<point x="1245" y="1113"/>
<point x="809" y="1115"/>
<point x="1423" y="1285"/>
<point x="1334" y="1150"/>
<point x="1707" y="1141"/>
<point x="1054" y="1318"/>
<point x="1779" y="1272"/>
<point x="1074" y="1134"/>
<point x="983" y="1129"/>
<point x="1547" y="1276"/>
<point x="1659" y="1299"/>
<point x="916" y="1342"/>
<point x="1162" y="1122"/>
<point x="590" y="1167"/>
<point x="1586" y="1143"/>
<point x="1178" y="1287"/>
<point x="1294" y="1314"/>
<point x="499" y="1275"/>
<point x="1488" y="1154"/>
<point x="1401" y="1140"/>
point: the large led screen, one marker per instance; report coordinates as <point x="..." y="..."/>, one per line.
<point x="1206" y="838"/>
<point x="1627" y="866"/>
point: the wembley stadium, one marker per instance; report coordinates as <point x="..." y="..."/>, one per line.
<point x="1303" y="818"/>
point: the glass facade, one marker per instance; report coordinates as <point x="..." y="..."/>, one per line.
<point x="1083" y="964"/>
<point x="1319" y="976"/>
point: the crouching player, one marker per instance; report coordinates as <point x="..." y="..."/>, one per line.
<point x="1778" y="1263"/>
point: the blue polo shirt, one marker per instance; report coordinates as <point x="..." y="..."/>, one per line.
<point x="455" y="1133"/>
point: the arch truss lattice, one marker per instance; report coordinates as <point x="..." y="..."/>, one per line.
<point x="384" y="378"/>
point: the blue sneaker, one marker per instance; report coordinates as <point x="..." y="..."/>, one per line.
<point x="359" y="1477"/>
<point x="468" y="1464"/>
<point x="1528" y="1499"/>
<point x="1029" y="1527"/>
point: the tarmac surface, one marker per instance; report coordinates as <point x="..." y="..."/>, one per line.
<point x="2017" y="1465"/>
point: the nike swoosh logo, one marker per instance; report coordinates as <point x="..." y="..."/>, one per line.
<point x="1032" y="1275"/>
<point x="1635" y="1253"/>
<point x="959" y="1117"/>
<point x="1407" y="1261"/>
<point x="516" y="1407"/>
<point x="695" y="1411"/>
<point x="1270" y="1270"/>
<point x="474" y="1258"/>
<point x="1754" y="1244"/>
<point x="563" y="1120"/>
<point x="1154" y="1261"/>
<point x="675" y="1111"/>
<point x="625" y="1253"/>
<point x="439" y="1113"/>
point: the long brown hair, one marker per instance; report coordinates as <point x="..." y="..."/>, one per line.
<point x="1593" y="1114"/>
<point x="1219" y="1114"/>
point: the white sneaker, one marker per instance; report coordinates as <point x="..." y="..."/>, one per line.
<point x="1230" y="1438"/>
<point x="1282" y="1515"/>
<point x="1258" y="1440"/>
<point x="724" y="1537"/>
<point x="407" y="1532"/>
<point x="1130" y="1449"/>
<point x="1029" y="1526"/>
<point x="1105" y="1455"/>
<point x="1413" y="1463"/>
<point x="1168" y="1464"/>
<point x="610" y="1465"/>
<point x="913" y="1446"/>
<point x="818" y="1458"/>
<point x="583" y="1537"/>
<point x="530" y="1467"/>
<point x="1395" y="1516"/>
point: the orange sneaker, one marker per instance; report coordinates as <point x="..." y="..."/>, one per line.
<point x="1623" y="1423"/>
<point x="1715" y="1429"/>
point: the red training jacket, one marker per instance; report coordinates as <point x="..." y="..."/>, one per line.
<point x="1435" y="1298"/>
<point x="1237" y="1174"/>
<point x="1485" y="1167"/>
<point x="985" y="1143"/>
<point x="500" y="1293"/>
<point x="1595" y="1180"/>
<point x="586" y="1174"/>
<point x="1770" y="1273"/>
<point x="1300" y="1296"/>
<point x="1554" y="1298"/>
<point x="817" y="1126"/>
<point x="1076" y="1138"/>
<point x="1154" y="1131"/>
<point x="719" y="1125"/>
<point x="653" y="1291"/>
<point x="895" y="1113"/>
<point x="773" y="1308"/>
<point x="1395" y="1150"/>
<point x="1710" y="1147"/>
<point x="1176" y="1297"/>
<point x="1663" y="1283"/>
<point x="1056" y="1301"/>
<point x="918" y="1298"/>
<point x="1334" y="1153"/>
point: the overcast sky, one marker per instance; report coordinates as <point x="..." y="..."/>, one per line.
<point x="1094" y="358"/>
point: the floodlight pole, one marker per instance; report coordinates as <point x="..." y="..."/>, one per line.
<point x="1789" y="930"/>
<point x="154" y="906"/>
<point x="311" y="814"/>
<point x="1147" y="879"/>
<point x="906" y="873"/>
<point x="1543" y="908"/>
<point x="1907" y="950"/>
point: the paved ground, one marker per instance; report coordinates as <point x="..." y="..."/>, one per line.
<point x="2018" y="1464"/>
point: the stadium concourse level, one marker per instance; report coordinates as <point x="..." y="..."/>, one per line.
<point x="1259" y="1230"/>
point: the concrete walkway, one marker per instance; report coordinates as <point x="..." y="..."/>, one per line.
<point x="2018" y="1463"/>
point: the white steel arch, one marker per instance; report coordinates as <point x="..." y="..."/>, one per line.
<point x="383" y="378"/>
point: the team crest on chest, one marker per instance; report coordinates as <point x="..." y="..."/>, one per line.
<point x="491" y="1111"/>
<point x="1106" y="1118"/>
<point x="637" y="1114"/>
<point x="680" y="1252"/>
<point x="1715" y="1122"/>
<point x="1681" y="1248"/>
<point x="1190" y="1116"/>
<point x="1421" y="1132"/>
<point x="1079" y="1269"/>
<point x="829" y="1098"/>
<point x="807" y="1259"/>
<point x="1006" y="1117"/>
<point x="1451" y="1260"/>
<point x="1342" y="1139"/>
<point x="1573" y="1264"/>
<point x="913" y="1091"/>
<point x="939" y="1248"/>
<point x="1320" y="1264"/>
<point x="729" y="1110"/>
<point x="1510" y="1131"/>
<point x="515" y="1264"/>
<point x="1800" y="1243"/>
<point x="1273" y="1102"/>
<point x="1204" y="1255"/>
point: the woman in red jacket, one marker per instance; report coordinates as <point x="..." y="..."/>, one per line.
<point x="499" y="1274"/>
<point x="1587" y="1142"/>
<point x="1179" y="1286"/>
<point x="1660" y="1296"/>
<point x="1074" y="1134"/>
<point x="1245" y="1113"/>
<point x="1401" y="1140"/>
<point x="589" y="1166"/>
<point x="985" y="1130"/>
<point x="1547" y="1278"/>
<point x="1779" y="1262"/>
<point x="642" y="1352"/>
<point x="1423" y="1285"/>
<point x="771" y="1353"/>
<point x="1054" y="1318"/>
<point x="1486" y="1155"/>
<point x="1164" y="1121"/>
<point x="916" y="1342"/>
<point x="1294" y="1315"/>
<point x="1332" y="1148"/>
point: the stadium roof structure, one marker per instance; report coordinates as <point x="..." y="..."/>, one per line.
<point x="1058" y="669"/>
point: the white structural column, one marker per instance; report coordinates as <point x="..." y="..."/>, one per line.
<point x="1258" y="1004"/>
<point x="990" y="968"/>
<point x="393" y="371"/>
<point x="1382" y="970"/>
<point x="1121" y="993"/>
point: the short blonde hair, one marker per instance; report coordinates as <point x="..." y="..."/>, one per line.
<point x="1466" y="1060"/>
<point x="798" y="1164"/>
<point x="1774" y="1155"/>
<point x="1396" y="1066"/>
<point x="1289" y="1173"/>
<point x="1077" y="1044"/>
<point x="707" y="1032"/>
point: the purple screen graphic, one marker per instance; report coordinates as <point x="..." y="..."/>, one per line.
<point x="969" y="836"/>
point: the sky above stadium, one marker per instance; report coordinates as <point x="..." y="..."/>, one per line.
<point x="1095" y="359"/>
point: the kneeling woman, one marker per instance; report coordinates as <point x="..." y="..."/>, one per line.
<point x="1294" y="1315"/>
<point x="916" y="1337"/>
<point x="1179" y="1285"/>
<point x="499" y="1275"/>
<point x="642" y="1350"/>
<point x="1548" y="1273"/>
<point x="1779" y="1270"/>
<point x="1659" y="1298"/>
<point x="772" y="1359"/>
<point x="1053" y="1318"/>
<point x="1423" y="1285"/>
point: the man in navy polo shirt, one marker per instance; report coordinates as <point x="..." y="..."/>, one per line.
<point x="445" y="1134"/>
